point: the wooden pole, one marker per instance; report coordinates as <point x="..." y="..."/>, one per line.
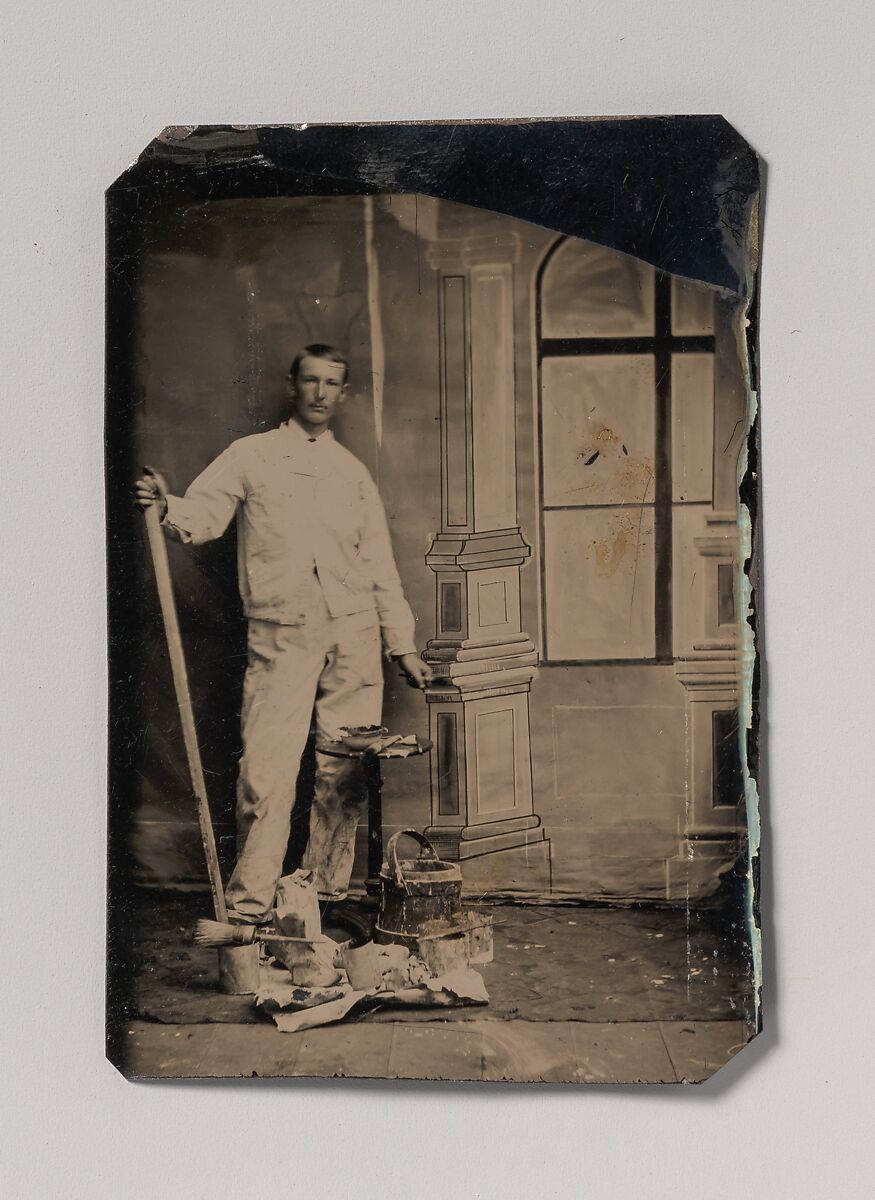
<point x="161" y="564"/>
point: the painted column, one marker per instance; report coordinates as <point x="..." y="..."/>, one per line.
<point x="481" y="777"/>
<point x="708" y="652"/>
<point x="710" y="673"/>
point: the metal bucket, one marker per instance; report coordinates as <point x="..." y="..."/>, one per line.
<point x="416" y="894"/>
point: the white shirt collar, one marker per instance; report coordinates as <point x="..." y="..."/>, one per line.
<point x="300" y="434"/>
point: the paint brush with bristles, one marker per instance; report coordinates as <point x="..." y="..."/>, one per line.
<point x="221" y="933"/>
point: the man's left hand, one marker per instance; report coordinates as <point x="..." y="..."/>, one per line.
<point x="417" y="673"/>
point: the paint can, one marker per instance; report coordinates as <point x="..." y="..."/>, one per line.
<point x="239" y="969"/>
<point x="361" y="966"/>
<point x="416" y="894"/>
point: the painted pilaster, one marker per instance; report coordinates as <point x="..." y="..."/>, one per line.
<point x="709" y="670"/>
<point x="483" y="662"/>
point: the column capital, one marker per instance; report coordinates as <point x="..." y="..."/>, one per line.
<point x="463" y="254"/>
<point x="477" y="551"/>
<point x="721" y="537"/>
<point x="711" y="672"/>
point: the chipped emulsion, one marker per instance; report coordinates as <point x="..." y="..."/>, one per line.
<point x="630" y="477"/>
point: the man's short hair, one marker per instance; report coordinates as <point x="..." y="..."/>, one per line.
<point x="319" y="350"/>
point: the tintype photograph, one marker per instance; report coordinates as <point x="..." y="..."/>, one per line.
<point x="432" y="494"/>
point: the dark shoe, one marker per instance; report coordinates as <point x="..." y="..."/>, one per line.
<point x="340" y="917"/>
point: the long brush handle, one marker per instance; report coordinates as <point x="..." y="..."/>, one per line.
<point x="161" y="564"/>
<point x="214" y="933"/>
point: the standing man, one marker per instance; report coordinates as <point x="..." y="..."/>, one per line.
<point x="319" y="586"/>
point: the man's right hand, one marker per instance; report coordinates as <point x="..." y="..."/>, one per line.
<point x="151" y="489"/>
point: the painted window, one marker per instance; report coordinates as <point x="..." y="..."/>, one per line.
<point x="625" y="425"/>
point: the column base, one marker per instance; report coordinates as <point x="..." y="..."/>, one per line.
<point x="458" y="842"/>
<point x="511" y="858"/>
<point x="518" y="873"/>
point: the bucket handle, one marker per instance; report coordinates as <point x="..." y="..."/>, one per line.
<point x="392" y="860"/>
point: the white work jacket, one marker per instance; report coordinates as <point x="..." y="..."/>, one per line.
<point x="302" y="505"/>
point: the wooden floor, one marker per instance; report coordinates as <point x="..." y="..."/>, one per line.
<point x="524" y="1051"/>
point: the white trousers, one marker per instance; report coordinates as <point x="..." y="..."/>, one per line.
<point x="335" y="664"/>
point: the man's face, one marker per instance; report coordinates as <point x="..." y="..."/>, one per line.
<point x="318" y="389"/>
